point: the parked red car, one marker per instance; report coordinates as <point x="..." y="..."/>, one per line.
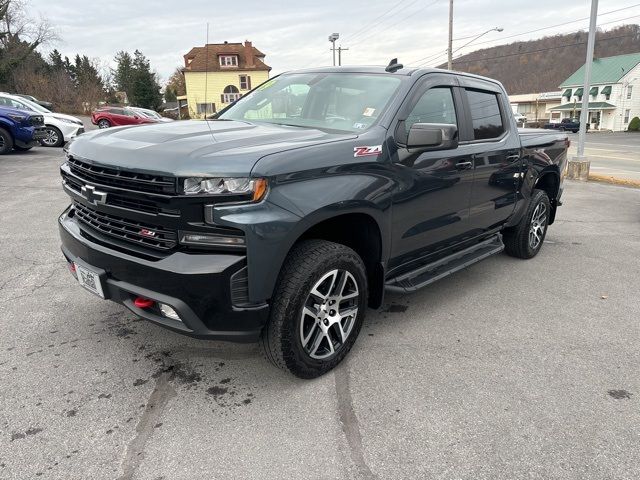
<point x="105" y="117"/>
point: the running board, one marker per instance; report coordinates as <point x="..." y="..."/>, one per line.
<point x="412" y="281"/>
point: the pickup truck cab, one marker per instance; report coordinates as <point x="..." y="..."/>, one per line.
<point x="565" y="125"/>
<point x="285" y="218"/>
<point x="19" y="129"/>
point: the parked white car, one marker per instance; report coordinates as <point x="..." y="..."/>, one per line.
<point x="151" y="114"/>
<point x="60" y="127"/>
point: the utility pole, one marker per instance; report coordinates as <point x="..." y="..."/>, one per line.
<point x="332" y="38"/>
<point x="340" y="50"/>
<point x="450" y="49"/>
<point x="579" y="166"/>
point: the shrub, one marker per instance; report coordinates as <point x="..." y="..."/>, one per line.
<point x="634" y="124"/>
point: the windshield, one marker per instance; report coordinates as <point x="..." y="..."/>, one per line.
<point x="24" y="104"/>
<point x="148" y="113"/>
<point x="349" y="102"/>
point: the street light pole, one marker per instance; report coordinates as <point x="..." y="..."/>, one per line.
<point x="450" y="49"/>
<point x="332" y="38"/>
<point x="579" y="166"/>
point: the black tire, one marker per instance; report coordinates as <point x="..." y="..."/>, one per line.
<point x="517" y="240"/>
<point x="6" y="142"/>
<point x="103" y="123"/>
<point x="22" y="149"/>
<point x="56" y="134"/>
<point x="306" y="265"/>
<point x="574" y="131"/>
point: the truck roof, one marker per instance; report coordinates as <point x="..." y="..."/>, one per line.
<point x="379" y="69"/>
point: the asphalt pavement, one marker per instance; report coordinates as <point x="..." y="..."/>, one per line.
<point x="509" y="369"/>
<point x="611" y="154"/>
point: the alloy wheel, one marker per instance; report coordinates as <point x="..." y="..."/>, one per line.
<point x="51" y="138"/>
<point x="538" y="225"/>
<point x="329" y="314"/>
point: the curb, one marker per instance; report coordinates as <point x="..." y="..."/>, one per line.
<point x="614" y="181"/>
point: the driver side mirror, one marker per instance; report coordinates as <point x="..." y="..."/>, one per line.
<point x="432" y="136"/>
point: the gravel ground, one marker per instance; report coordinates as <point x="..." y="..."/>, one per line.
<point x="509" y="369"/>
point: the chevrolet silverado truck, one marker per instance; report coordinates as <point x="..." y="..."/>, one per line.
<point x="20" y="130"/>
<point x="283" y="219"/>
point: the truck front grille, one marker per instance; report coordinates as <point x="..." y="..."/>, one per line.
<point x="137" y="182"/>
<point x="131" y="231"/>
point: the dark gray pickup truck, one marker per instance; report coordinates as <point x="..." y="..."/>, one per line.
<point x="287" y="216"/>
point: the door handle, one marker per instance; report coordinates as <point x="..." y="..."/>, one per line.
<point x="464" y="165"/>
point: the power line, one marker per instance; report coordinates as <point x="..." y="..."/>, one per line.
<point x="377" y="32"/>
<point x="541" y="49"/>
<point x="366" y="25"/>
<point x="552" y="26"/>
<point x="433" y="59"/>
<point x="563" y="24"/>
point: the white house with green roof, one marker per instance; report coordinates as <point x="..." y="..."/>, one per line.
<point x="614" y="96"/>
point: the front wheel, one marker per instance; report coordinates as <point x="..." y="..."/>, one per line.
<point x="6" y="142"/>
<point x="104" y="123"/>
<point x="525" y="239"/>
<point x="53" y="138"/>
<point x="318" y="308"/>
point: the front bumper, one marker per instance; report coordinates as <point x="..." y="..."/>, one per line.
<point x="70" y="131"/>
<point x="196" y="286"/>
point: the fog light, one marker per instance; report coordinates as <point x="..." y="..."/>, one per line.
<point x="208" y="239"/>
<point x="169" y="312"/>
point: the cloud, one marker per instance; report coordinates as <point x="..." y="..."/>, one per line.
<point x="294" y="34"/>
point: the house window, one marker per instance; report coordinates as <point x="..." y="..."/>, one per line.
<point x="228" y="60"/>
<point x="205" y="108"/>
<point x="629" y="91"/>
<point x="627" y="114"/>
<point x="230" y="95"/>
<point x="245" y="82"/>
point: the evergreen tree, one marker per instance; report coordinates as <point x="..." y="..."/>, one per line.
<point x="145" y="91"/>
<point x="123" y="73"/>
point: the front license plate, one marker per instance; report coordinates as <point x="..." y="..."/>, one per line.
<point x="89" y="280"/>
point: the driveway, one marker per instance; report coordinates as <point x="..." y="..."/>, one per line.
<point x="509" y="369"/>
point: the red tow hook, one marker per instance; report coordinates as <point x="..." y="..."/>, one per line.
<point x="143" y="303"/>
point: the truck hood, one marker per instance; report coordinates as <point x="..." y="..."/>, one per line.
<point x="194" y="148"/>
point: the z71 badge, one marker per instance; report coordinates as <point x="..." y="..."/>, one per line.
<point x="367" y="151"/>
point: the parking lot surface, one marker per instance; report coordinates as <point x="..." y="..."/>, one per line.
<point x="509" y="369"/>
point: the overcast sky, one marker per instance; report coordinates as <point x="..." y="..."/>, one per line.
<point x="294" y="34"/>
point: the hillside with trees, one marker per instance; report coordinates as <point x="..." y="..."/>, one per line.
<point x="542" y="65"/>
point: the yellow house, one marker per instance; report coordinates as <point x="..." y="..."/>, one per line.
<point x="219" y="73"/>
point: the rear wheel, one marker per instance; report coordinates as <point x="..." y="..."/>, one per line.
<point x="318" y="308"/>
<point x="104" y="123"/>
<point x="525" y="239"/>
<point x="53" y="138"/>
<point x="6" y="142"/>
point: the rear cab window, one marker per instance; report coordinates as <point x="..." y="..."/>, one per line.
<point x="486" y="117"/>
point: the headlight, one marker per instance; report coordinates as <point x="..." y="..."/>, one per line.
<point x="253" y="187"/>
<point x="67" y="120"/>
<point x="17" y="117"/>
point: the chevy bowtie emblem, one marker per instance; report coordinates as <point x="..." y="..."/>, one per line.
<point x="93" y="196"/>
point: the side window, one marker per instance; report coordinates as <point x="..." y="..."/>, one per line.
<point x="436" y="105"/>
<point x="485" y="115"/>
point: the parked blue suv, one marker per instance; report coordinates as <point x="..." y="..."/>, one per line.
<point x="20" y="129"/>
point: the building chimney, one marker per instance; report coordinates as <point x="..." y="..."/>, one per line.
<point x="248" y="54"/>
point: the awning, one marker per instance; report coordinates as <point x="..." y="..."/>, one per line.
<point x="578" y="92"/>
<point x="606" y="90"/>
<point x="594" y="91"/>
<point x="567" y="107"/>
<point x="567" y="93"/>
